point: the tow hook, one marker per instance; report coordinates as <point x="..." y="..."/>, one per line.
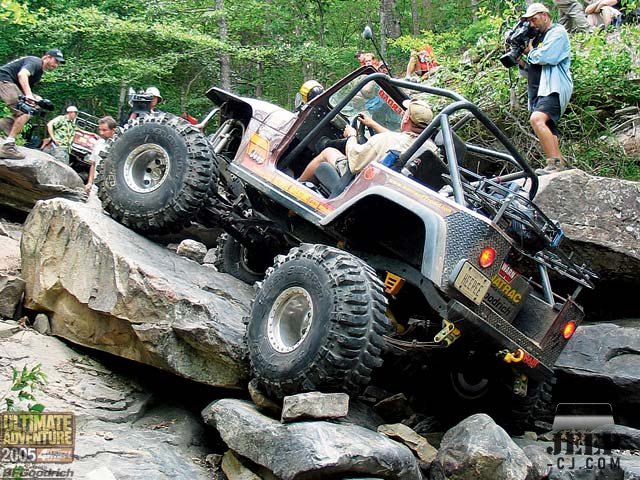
<point x="512" y="357"/>
<point x="449" y="333"/>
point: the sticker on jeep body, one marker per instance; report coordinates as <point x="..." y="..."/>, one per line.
<point x="507" y="291"/>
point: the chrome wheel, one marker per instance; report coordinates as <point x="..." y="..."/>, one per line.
<point x="146" y="168"/>
<point x="290" y="319"/>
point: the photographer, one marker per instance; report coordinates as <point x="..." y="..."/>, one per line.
<point x="17" y="78"/>
<point x="549" y="81"/>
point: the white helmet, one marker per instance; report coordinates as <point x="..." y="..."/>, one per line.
<point x="155" y="92"/>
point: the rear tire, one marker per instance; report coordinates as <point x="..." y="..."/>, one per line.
<point x="235" y="259"/>
<point x="157" y="174"/>
<point x="317" y="323"/>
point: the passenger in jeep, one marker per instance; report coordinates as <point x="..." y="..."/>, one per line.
<point x="416" y="117"/>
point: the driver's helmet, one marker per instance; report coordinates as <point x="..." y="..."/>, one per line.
<point x="308" y="91"/>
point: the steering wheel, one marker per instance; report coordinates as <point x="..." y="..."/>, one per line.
<point x="359" y="127"/>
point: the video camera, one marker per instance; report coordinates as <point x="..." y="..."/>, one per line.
<point x="517" y="40"/>
<point x="34" y="107"/>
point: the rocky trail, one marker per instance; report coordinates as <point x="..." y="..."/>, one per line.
<point x="144" y="344"/>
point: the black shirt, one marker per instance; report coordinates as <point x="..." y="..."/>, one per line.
<point x="9" y="72"/>
<point x="534" y="71"/>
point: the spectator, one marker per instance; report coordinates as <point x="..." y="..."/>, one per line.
<point x="549" y="81"/>
<point x="421" y="64"/>
<point x="416" y="117"/>
<point x="106" y="130"/>
<point x="18" y="77"/>
<point x="367" y="59"/>
<point x="572" y="15"/>
<point x="144" y="109"/>
<point x="61" y="131"/>
<point x="602" y="13"/>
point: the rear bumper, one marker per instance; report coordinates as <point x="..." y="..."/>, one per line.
<point x="504" y="336"/>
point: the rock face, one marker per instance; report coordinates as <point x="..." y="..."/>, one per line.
<point x="478" y="449"/>
<point x="605" y="357"/>
<point x="11" y="285"/>
<point x="119" y="427"/>
<point x="314" y="405"/>
<point x="37" y="177"/>
<point x="600" y="216"/>
<point x="111" y="289"/>
<point x="309" y="449"/>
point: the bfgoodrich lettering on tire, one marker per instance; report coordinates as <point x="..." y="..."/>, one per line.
<point x="317" y="323"/>
<point x="156" y="174"/>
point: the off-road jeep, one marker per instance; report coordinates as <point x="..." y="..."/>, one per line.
<point x="443" y="256"/>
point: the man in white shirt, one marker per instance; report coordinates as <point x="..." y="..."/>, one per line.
<point x="416" y="117"/>
<point x="106" y="130"/>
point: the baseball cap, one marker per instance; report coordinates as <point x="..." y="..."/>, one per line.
<point x="535" y="8"/>
<point x="57" y="54"/>
<point x="72" y="108"/>
<point x="419" y="112"/>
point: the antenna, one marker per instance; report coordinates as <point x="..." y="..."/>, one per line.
<point x="367" y="34"/>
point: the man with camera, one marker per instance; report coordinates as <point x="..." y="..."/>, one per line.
<point x="549" y="81"/>
<point x="17" y="78"/>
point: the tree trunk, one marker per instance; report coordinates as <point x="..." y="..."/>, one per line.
<point x="389" y="24"/>
<point x="321" y="23"/>
<point x="259" y="77"/>
<point x="427" y="14"/>
<point x="225" y="63"/>
<point x="415" y="18"/>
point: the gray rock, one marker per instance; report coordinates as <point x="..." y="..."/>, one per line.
<point x="11" y="291"/>
<point x="606" y="355"/>
<point x="101" y="473"/>
<point x="394" y="408"/>
<point x="193" y="250"/>
<point x="314" y="405"/>
<point x="9" y="256"/>
<point x="111" y="289"/>
<point x="363" y="415"/>
<point x="41" y="324"/>
<point x="478" y="449"/>
<point x="418" y="444"/>
<point x="600" y="216"/>
<point x="235" y="470"/>
<point x="8" y="328"/>
<point x="117" y="427"/>
<point x="262" y="401"/>
<point x="618" y="437"/>
<point x="37" y="177"/>
<point x="211" y="256"/>
<point x="540" y="460"/>
<point x="308" y="449"/>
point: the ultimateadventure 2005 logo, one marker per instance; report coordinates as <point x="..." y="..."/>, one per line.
<point x="30" y="437"/>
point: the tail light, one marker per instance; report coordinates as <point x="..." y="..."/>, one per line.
<point x="487" y="257"/>
<point x="569" y="329"/>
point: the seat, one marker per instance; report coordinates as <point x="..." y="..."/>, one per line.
<point x="426" y="167"/>
<point x="329" y="180"/>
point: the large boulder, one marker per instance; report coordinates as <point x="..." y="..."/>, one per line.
<point x="605" y="358"/>
<point x="308" y="449"/>
<point x="119" y="426"/>
<point x="601" y="218"/>
<point x="11" y="285"/>
<point x="478" y="449"/>
<point x="37" y="177"/>
<point x="108" y="288"/>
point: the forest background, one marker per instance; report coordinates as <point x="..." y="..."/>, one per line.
<point x="268" y="48"/>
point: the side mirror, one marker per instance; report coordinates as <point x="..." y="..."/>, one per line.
<point x="367" y="34"/>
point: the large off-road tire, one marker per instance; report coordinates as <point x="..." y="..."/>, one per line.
<point x="157" y="174"/>
<point x="317" y="323"/>
<point x="235" y="259"/>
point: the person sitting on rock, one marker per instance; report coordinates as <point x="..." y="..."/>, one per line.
<point x="416" y="117"/>
<point x="421" y="64"/>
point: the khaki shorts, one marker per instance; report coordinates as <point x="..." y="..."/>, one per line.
<point x="9" y="93"/>
<point x="342" y="165"/>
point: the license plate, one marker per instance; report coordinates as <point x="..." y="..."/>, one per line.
<point x="472" y="284"/>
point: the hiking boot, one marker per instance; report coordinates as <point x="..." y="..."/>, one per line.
<point x="554" y="165"/>
<point x="9" y="150"/>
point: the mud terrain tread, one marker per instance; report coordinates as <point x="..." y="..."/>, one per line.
<point x="357" y="321"/>
<point x="201" y="171"/>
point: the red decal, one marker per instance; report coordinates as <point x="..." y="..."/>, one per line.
<point x="507" y="272"/>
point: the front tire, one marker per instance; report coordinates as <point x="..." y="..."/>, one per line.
<point x="157" y="174"/>
<point x="317" y="323"/>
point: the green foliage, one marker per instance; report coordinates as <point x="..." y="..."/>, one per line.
<point x="24" y="383"/>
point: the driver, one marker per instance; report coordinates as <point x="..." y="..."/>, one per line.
<point x="416" y="117"/>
